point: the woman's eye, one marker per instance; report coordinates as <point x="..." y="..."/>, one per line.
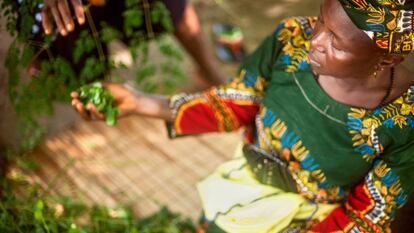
<point x="334" y="43"/>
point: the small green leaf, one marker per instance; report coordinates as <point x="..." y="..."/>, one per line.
<point x="109" y="34"/>
<point x="103" y="100"/>
<point x="39" y="205"/>
<point x="38" y="215"/>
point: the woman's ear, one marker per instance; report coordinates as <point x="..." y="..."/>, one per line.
<point x="390" y="60"/>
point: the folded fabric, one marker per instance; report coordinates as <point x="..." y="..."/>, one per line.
<point x="236" y="202"/>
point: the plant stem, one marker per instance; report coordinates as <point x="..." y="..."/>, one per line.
<point x="95" y="34"/>
<point x="45" y="225"/>
<point x="148" y="24"/>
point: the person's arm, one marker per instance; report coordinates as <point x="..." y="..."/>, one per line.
<point x="229" y="106"/>
<point x="372" y="204"/>
<point x="129" y="102"/>
<point x="223" y="108"/>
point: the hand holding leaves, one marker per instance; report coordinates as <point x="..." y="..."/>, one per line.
<point x="107" y="101"/>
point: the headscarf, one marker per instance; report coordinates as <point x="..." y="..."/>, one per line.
<point x="390" y="23"/>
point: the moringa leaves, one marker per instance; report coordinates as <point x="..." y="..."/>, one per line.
<point x="102" y="99"/>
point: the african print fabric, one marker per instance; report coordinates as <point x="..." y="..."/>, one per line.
<point x="389" y="23"/>
<point x="357" y="159"/>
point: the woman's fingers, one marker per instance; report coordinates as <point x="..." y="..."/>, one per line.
<point x="78" y="106"/>
<point x="65" y="14"/>
<point x="47" y="26"/>
<point x="88" y="113"/>
<point x="74" y="94"/>
<point x="59" y="23"/>
<point x="79" y="11"/>
<point x="60" y="10"/>
<point x="95" y="114"/>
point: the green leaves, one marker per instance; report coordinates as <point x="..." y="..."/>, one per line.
<point x="102" y="99"/>
<point x="145" y="73"/>
<point x="7" y="10"/>
<point x="109" y="34"/>
<point x="84" y="44"/>
<point x="165" y="221"/>
<point x="133" y="19"/>
<point x="92" y="70"/>
<point x="25" y="23"/>
<point x="38" y="212"/>
<point x="169" y="50"/>
<point x="11" y="63"/>
<point x="29" y="210"/>
<point x="161" y="15"/>
<point x="131" y="3"/>
<point x="33" y="98"/>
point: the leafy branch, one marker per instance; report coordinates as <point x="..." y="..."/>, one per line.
<point x="59" y="76"/>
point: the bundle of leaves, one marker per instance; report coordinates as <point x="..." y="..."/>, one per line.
<point x="102" y="99"/>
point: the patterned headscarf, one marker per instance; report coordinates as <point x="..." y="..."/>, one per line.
<point x="390" y="23"/>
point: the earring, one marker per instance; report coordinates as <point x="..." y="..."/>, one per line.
<point x="375" y="74"/>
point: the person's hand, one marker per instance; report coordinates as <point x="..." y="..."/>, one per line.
<point x="125" y="98"/>
<point x="62" y="16"/>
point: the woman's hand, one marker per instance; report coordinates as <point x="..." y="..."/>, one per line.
<point x="62" y="16"/>
<point x="125" y="98"/>
<point x="61" y="12"/>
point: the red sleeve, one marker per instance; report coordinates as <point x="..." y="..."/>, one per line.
<point x="371" y="205"/>
<point x="219" y="109"/>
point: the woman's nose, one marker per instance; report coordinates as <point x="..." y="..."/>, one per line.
<point x="318" y="41"/>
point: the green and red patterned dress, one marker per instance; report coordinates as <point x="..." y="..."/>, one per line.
<point x="352" y="168"/>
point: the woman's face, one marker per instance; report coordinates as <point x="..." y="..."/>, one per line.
<point x="338" y="48"/>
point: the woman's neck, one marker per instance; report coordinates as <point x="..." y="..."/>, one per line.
<point x="368" y="92"/>
<point x="356" y="84"/>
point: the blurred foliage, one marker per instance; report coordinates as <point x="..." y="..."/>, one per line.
<point x="28" y="210"/>
<point x="23" y="207"/>
<point x="34" y="98"/>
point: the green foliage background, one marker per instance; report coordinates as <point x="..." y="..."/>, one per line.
<point x="57" y="78"/>
<point x="24" y="207"/>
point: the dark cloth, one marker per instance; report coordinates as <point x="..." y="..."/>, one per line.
<point x="404" y="220"/>
<point x="264" y="162"/>
<point x="176" y="8"/>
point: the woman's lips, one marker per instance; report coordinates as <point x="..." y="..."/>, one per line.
<point x="313" y="61"/>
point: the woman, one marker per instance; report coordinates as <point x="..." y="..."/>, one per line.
<point x="329" y="116"/>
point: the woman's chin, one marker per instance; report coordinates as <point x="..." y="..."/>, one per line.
<point x="316" y="68"/>
<point x="314" y="63"/>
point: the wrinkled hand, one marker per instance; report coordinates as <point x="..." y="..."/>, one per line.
<point x="62" y="15"/>
<point x="125" y="100"/>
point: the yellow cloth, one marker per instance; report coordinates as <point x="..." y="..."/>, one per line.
<point x="238" y="203"/>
